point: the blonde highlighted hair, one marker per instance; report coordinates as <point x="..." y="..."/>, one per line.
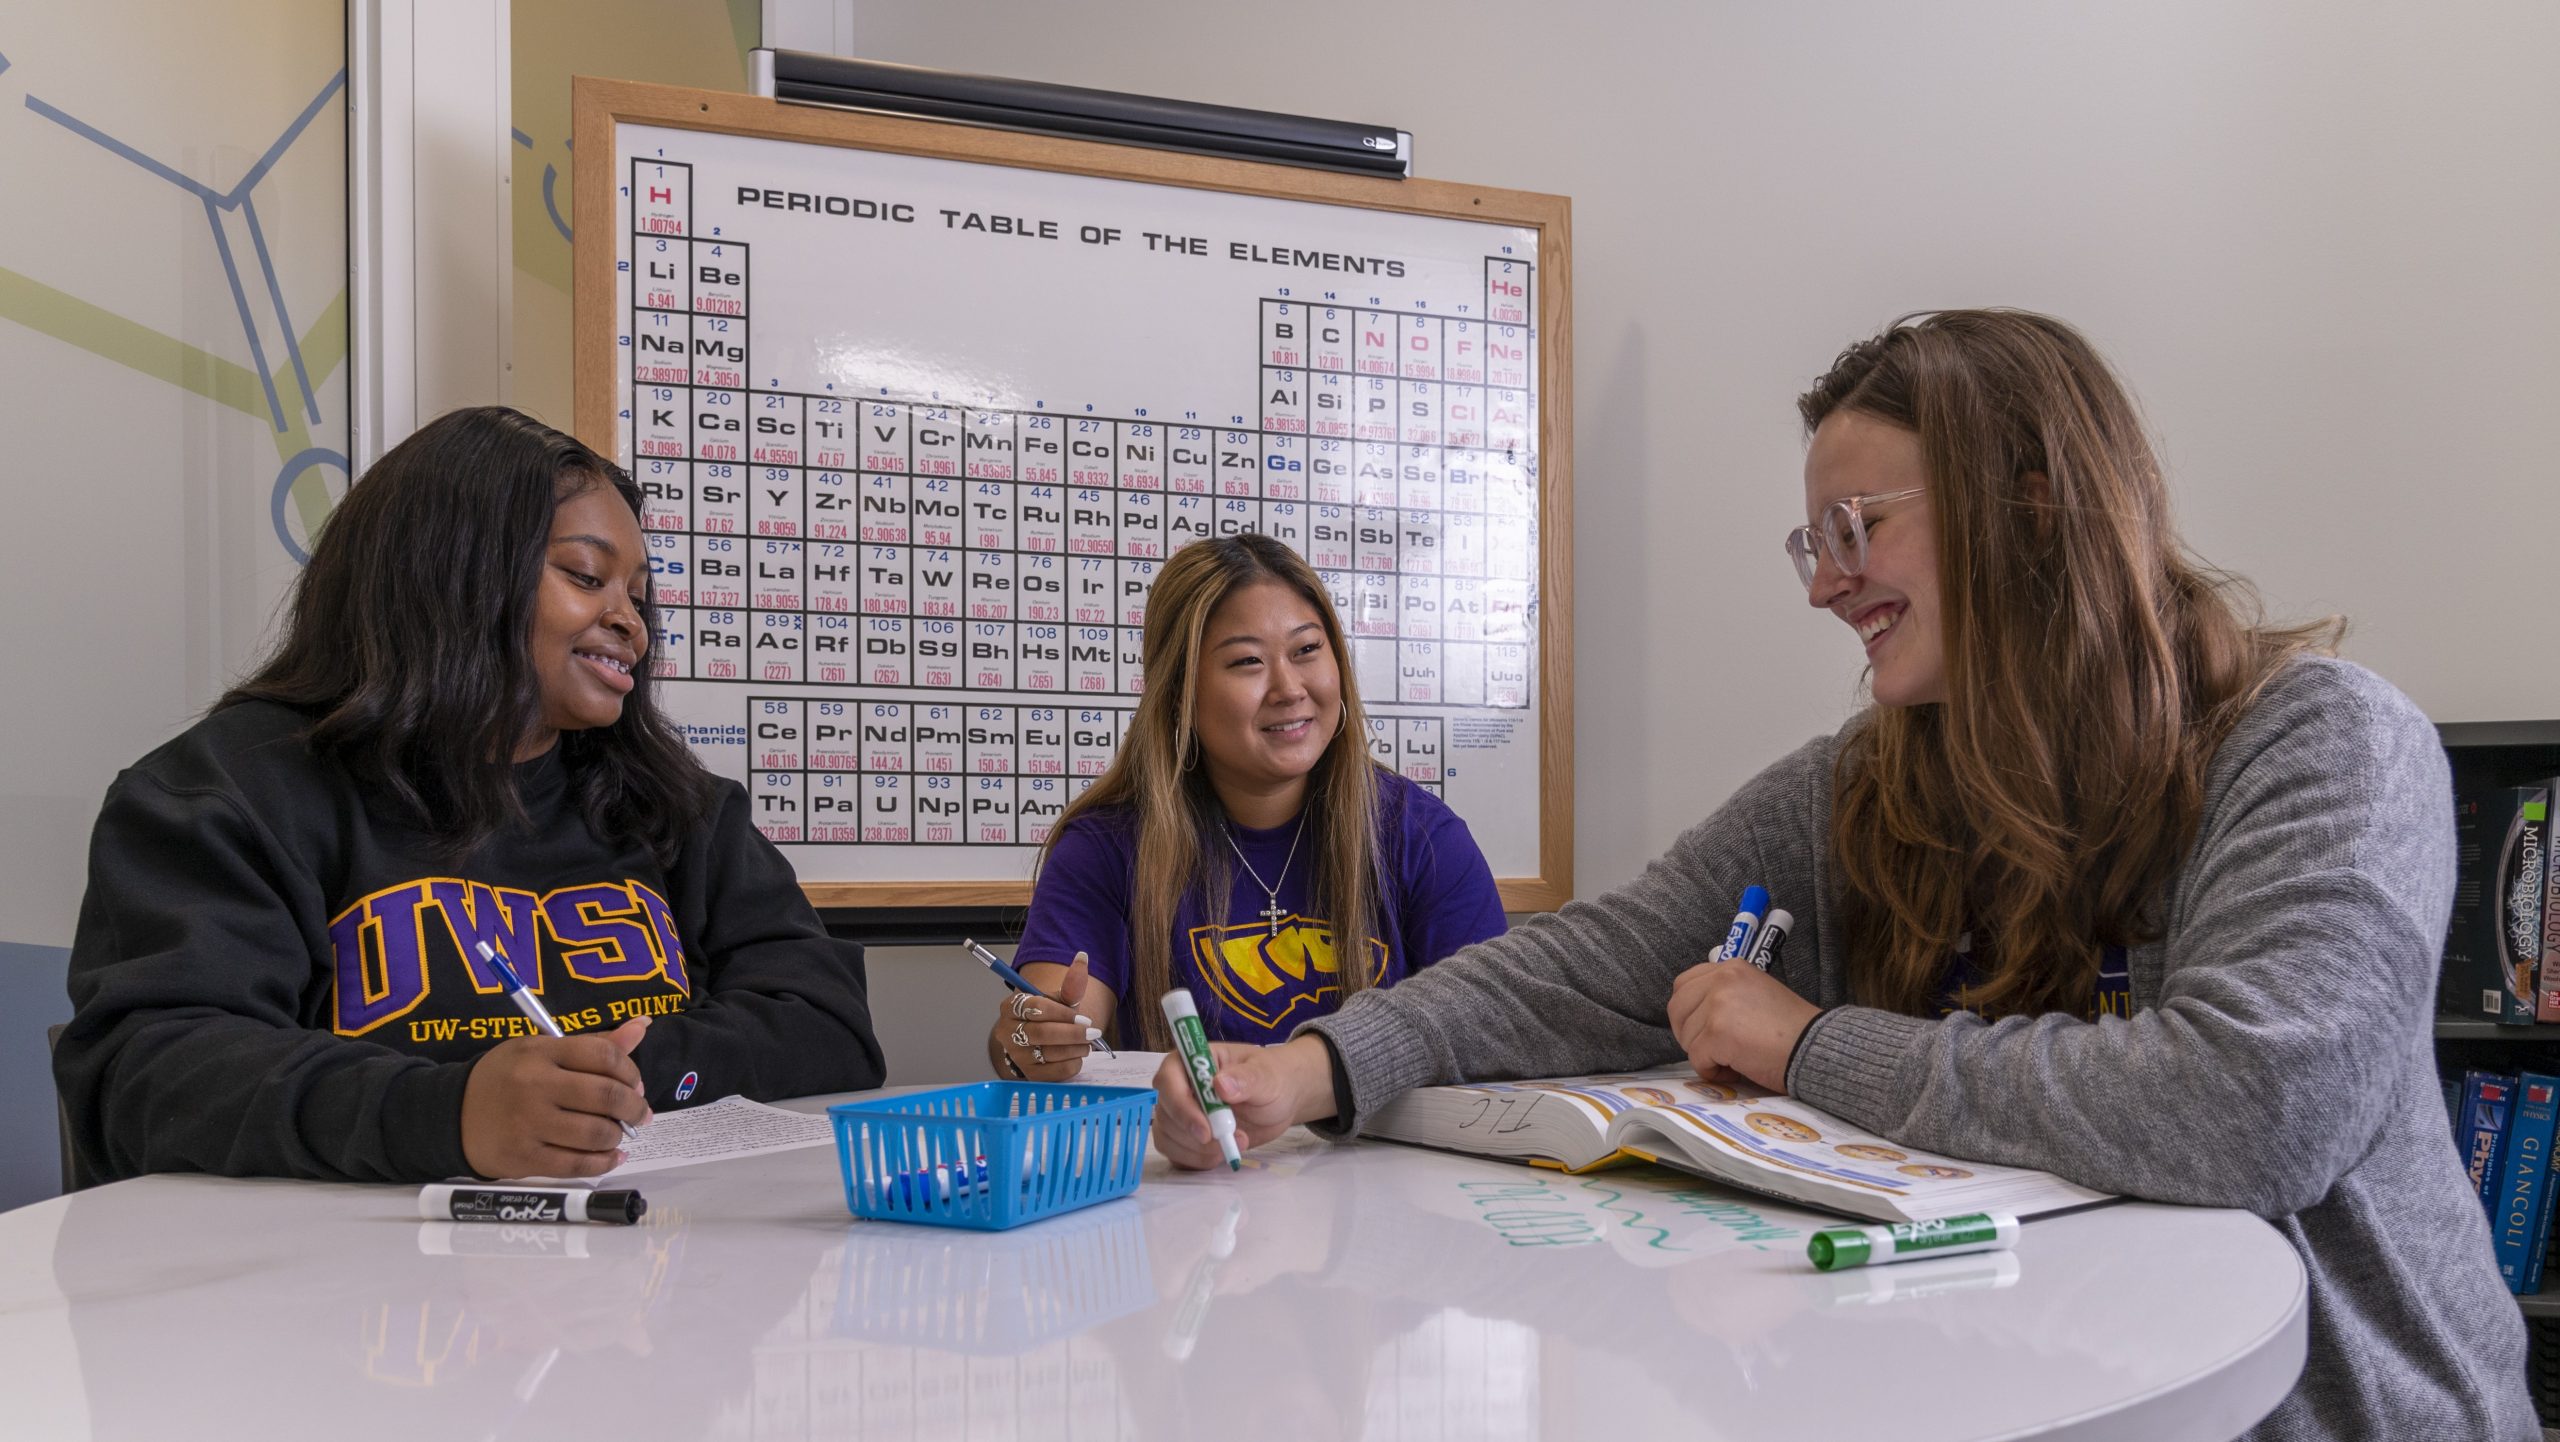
<point x="1159" y="780"/>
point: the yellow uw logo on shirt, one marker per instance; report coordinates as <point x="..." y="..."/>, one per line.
<point x="1263" y="978"/>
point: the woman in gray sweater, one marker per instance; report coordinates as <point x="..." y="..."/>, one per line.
<point x="2112" y="880"/>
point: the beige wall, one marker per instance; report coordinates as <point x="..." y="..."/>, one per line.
<point x="2322" y="241"/>
<point x="670" y="42"/>
<point x="159" y="390"/>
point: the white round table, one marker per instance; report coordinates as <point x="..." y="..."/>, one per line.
<point x="1326" y="1291"/>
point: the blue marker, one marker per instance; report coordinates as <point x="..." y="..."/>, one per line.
<point x="533" y="1008"/>
<point x="926" y="1186"/>
<point x="1737" y="942"/>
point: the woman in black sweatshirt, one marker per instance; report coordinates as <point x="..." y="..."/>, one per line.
<point x="278" y="968"/>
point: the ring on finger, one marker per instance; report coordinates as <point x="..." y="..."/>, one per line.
<point x="1019" y="1037"/>
<point x="1039" y="1057"/>
<point x="1022" y="1006"/>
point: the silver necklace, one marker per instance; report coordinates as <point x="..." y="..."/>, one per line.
<point x="1271" y="911"/>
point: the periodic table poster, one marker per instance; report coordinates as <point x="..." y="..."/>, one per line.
<point x="917" y="430"/>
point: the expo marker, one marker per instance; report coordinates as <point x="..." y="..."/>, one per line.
<point x="1773" y="934"/>
<point x="1737" y="941"/>
<point x="1019" y="982"/>
<point x="442" y="1202"/>
<point x="1182" y="1014"/>
<point x="534" y="1010"/>
<point x="1833" y="1248"/>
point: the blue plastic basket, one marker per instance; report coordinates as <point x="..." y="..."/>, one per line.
<point x="993" y="1154"/>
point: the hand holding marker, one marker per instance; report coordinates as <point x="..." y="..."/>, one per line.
<point x="1019" y="982"/>
<point x="1191" y="1039"/>
<point x="533" y="1009"/>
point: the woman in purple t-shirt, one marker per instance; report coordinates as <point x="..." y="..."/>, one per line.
<point x="1240" y="833"/>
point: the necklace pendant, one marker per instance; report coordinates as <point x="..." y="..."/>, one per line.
<point x="1272" y="914"/>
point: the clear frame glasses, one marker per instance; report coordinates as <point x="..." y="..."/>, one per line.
<point x="1842" y="532"/>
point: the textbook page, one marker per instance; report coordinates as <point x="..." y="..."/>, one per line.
<point x="1128" y="1069"/>
<point x="1562" y="1123"/>
<point x="730" y="1127"/>
<point x="1737" y="1134"/>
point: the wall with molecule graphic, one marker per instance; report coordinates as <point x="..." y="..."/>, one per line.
<point x="173" y="330"/>
<point x="174" y="336"/>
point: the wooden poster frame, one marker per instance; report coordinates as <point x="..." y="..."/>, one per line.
<point x="599" y="106"/>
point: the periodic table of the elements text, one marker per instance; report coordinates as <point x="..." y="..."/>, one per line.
<point x="915" y="437"/>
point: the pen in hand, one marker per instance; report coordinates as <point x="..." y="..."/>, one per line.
<point x="1019" y="982"/>
<point x="533" y="1009"/>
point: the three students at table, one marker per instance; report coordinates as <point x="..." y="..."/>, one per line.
<point x="2113" y="879"/>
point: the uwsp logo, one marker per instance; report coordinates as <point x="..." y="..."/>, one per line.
<point x="384" y="943"/>
<point x="1264" y="977"/>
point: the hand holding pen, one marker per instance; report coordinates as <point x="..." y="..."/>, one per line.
<point x="549" y="1105"/>
<point x="1040" y="1036"/>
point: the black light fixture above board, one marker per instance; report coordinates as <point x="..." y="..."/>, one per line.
<point x="805" y="78"/>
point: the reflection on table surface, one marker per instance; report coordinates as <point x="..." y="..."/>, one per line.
<point x="1360" y="1291"/>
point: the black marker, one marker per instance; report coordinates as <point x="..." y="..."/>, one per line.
<point x="1773" y="935"/>
<point x="443" y="1202"/>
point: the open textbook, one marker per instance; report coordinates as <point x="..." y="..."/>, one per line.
<point x="1738" y="1135"/>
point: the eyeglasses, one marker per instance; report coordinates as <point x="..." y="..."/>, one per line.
<point x="1843" y="532"/>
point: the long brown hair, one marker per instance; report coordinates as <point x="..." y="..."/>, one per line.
<point x="2092" y="667"/>
<point x="1160" y="780"/>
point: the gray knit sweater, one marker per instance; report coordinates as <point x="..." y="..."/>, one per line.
<point x="2279" y="1057"/>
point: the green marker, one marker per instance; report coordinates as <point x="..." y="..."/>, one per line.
<point x="1833" y="1248"/>
<point x="1192" y="1040"/>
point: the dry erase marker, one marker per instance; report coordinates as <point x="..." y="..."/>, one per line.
<point x="533" y="1009"/>
<point x="1192" y="1040"/>
<point x="1833" y="1248"/>
<point x="1019" y="982"/>
<point x="443" y="1202"/>
<point x="1737" y="940"/>
<point x="939" y="1181"/>
<point x="1773" y="934"/>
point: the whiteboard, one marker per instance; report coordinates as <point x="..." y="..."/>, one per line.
<point x="916" y="431"/>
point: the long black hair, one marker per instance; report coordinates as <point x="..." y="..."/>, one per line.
<point x="408" y="634"/>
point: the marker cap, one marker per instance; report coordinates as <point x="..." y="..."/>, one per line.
<point x="622" y="1206"/>
<point x="1222" y="1127"/>
<point x="1836" y="1247"/>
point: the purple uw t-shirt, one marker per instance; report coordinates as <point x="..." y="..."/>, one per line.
<point x="1252" y="985"/>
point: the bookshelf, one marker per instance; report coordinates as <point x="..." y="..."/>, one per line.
<point x="2509" y="753"/>
<point x="2454" y="1028"/>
